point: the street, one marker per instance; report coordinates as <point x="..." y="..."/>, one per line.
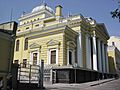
<point x="109" y="84"/>
<point x="112" y="85"/>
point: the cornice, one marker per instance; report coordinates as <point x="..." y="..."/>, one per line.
<point x="33" y="22"/>
<point x="29" y="15"/>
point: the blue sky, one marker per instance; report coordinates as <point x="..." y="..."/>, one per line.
<point x="97" y="9"/>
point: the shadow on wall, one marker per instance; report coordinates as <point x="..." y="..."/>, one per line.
<point x="111" y="65"/>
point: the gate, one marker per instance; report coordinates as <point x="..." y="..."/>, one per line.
<point x="28" y="73"/>
<point x="31" y="75"/>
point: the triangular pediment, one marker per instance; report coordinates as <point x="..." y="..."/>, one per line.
<point x="34" y="45"/>
<point x="53" y="42"/>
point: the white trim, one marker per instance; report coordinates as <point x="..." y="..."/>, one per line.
<point x="49" y="55"/>
<point x="73" y="57"/>
<point x="68" y="55"/>
<point x="57" y="56"/>
<point x="72" y="50"/>
<point x="79" y="51"/>
<point x="31" y="57"/>
<point x="38" y="61"/>
<point x="87" y="52"/>
<point x="94" y="54"/>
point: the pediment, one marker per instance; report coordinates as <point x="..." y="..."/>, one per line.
<point x="53" y="42"/>
<point x="34" y="45"/>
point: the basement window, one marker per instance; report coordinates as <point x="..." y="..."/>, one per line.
<point x="27" y="28"/>
<point x="36" y="25"/>
<point x="53" y="57"/>
<point x="16" y="61"/>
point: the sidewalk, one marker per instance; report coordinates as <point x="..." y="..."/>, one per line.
<point x="80" y="86"/>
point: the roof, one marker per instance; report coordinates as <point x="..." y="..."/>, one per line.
<point x="42" y="7"/>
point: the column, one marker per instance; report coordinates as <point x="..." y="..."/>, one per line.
<point x="99" y="56"/>
<point x="68" y="55"/>
<point x="103" y="57"/>
<point x="106" y="56"/>
<point x="94" y="54"/>
<point x="79" y="50"/>
<point x="88" y="52"/>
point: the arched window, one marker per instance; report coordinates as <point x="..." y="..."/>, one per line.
<point x="71" y="47"/>
<point x="17" y="45"/>
<point x="26" y="44"/>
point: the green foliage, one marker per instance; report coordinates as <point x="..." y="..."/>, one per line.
<point x="116" y="13"/>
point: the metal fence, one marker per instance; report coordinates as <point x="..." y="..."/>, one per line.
<point x="28" y="73"/>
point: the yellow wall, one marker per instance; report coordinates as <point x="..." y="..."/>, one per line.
<point x="111" y="58"/>
<point x="76" y="22"/>
<point x="68" y="36"/>
<point x="42" y="41"/>
<point x="35" y="18"/>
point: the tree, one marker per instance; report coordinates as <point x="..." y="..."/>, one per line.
<point x="116" y="13"/>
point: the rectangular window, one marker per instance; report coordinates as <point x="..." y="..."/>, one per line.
<point x="17" y="45"/>
<point x="53" y="57"/>
<point x="35" y="58"/>
<point x="26" y="44"/>
<point x="70" y="57"/>
<point x="24" y="63"/>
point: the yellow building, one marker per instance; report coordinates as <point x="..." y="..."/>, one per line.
<point x="114" y="40"/>
<point x="7" y="38"/>
<point x="62" y="42"/>
<point x="114" y="60"/>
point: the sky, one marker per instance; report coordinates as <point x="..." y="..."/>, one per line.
<point x="96" y="9"/>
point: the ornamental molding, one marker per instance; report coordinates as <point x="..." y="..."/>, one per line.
<point x="34" y="45"/>
<point x="53" y="42"/>
<point x="71" y="44"/>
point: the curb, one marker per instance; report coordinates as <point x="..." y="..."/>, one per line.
<point x="102" y="82"/>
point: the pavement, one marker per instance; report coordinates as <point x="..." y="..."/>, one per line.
<point x="82" y="86"/>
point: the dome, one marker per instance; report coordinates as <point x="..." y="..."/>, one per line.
<point x="42" y="7"/>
